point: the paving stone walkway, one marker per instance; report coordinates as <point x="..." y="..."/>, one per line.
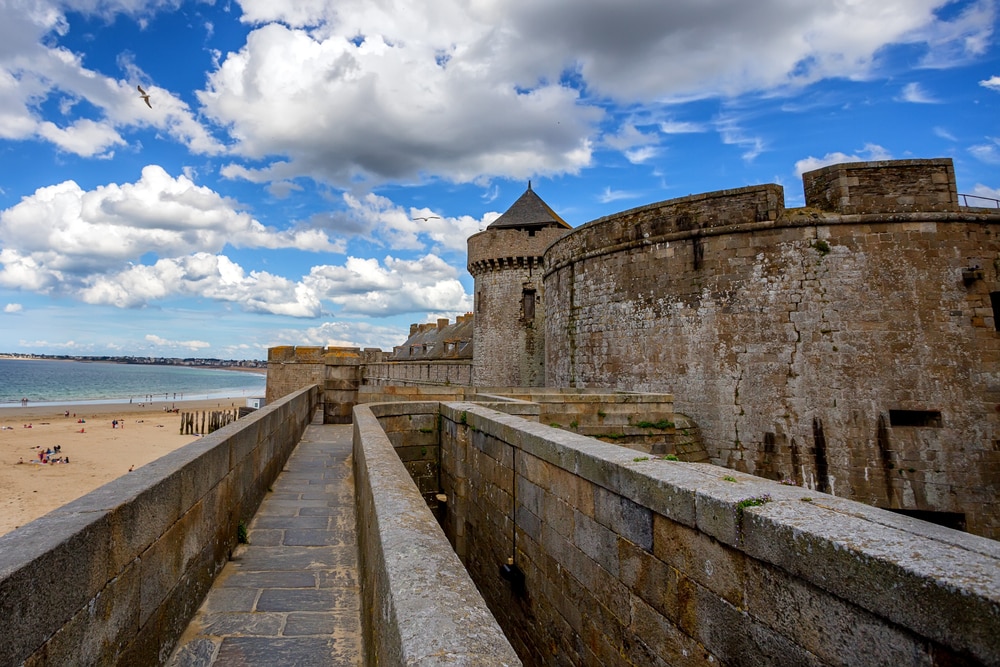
<point x="291" y="596"/>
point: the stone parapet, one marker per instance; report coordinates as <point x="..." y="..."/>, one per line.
<point x="509" y="248"/>
<point x="682" y="218"/>
<point x="648" y="561"/>
<point x="113" y="578"/>
<point x="894" y="186"/>
<point x="422" y="607"/>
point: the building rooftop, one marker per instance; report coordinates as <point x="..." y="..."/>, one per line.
<point x="529" y="211"/>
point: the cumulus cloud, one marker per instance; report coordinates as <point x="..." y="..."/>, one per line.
<point x="63" y="229"/>
<point x="993" y="83"/>
<point x="356" y="91"/>
<point x="367" y="287"/>
<point x="404" y="229"/>
<point x="34" y="72"/>
<point x="871" y="152"/>
<point x="13" y="308"/>
<point x="470" y="90"/>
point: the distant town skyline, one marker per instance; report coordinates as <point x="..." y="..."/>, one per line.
<point x="309" y="173"/>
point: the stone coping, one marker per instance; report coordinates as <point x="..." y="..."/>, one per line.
<point x="421" y="606"/>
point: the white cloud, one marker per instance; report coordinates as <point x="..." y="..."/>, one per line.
<point x="610" y="195"/>
<point x="990" y="197"/>
<point x="915" y="94"/>
<point x="987" y="152"/>
<point x="33" y="72"/>
<point x="733" y="135"/>
<point x="366" y="287"/>
<point x="471" y="90"/>
<point x="870" y="153"/>
<point x="993" y="83"/>
<point x="681" y="127"/>
<point x="944" y="133"/>
<point x="63" y="228"/>
<point x="401" y="230"/>
<point x="345" y="333"/>
<point x="13" y="308"/>
<point x="193" y="345"/>
<point x="366" y="92"/>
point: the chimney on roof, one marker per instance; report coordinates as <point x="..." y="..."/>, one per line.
<point x="442" y="323"/>
<point x="413" y="329"/>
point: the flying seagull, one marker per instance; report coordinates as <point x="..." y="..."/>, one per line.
<point x="145" y="96"/>
<point x="430" y="217"/>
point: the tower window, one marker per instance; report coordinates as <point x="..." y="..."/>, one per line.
<point x="995" y="302"/>
<point x="528" y="304"/>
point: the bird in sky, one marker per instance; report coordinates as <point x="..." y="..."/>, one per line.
<point x="145" y="96"/>
<point x="430" y="217"/>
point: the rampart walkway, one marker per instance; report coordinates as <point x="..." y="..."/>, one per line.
<point x="290" y="596"/>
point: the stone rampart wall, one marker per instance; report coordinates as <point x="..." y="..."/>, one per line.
<point x="654" y="562"/>
<point x="883" y="187"/>
<point x="686" y="216"/>
<point x="114" y="577"/>
<point x="422" y="607"/>
<point x="856" y="355"/>
<point x="403" y="373"/>
<point x="290" y="368"/>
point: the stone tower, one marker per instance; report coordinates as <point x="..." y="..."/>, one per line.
<point x="505" y="261"/>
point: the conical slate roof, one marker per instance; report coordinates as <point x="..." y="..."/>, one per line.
<point x="529" y="211"/>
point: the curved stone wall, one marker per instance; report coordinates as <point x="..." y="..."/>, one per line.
<point x="854" y="354"/>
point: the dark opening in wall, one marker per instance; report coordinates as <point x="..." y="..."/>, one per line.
<point x="698" y="250"/>
<point x="822" y="467"/>
<point x="931" y="418"/>
<point x="955" y="520"/>
<point x="528" y="304"/>
<point x="995" y="302"/>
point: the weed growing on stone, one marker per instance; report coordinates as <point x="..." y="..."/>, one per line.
<point x="741" y="506"/>
<point x="242" y="537"/>
<point x="822" y="247"/>
<point x="729" y="478"/>
<point x="640" y="458"/>
<point x="662" y="425"/>
<point x="573" y="424"/>
<point x="754" y="501"/>
<point x="670" y="457"/>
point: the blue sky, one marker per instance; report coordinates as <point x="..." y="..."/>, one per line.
<point x="271" y="195"/>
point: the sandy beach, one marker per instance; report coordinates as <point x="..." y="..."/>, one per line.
<point x="97" y="452"/>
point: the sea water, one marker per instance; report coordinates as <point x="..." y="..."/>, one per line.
<point x="51" y="382"/>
